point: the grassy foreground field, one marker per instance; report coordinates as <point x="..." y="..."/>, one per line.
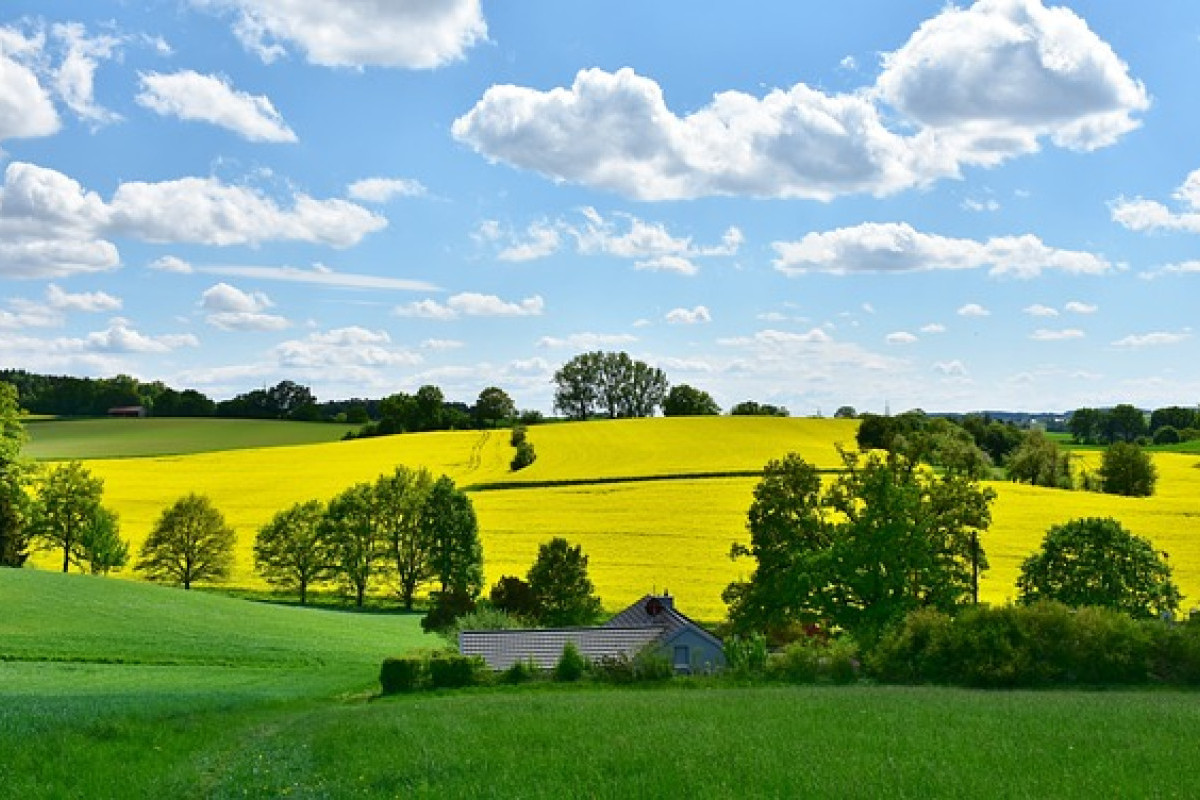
<point x="62" y="439"/>
<point x="641" y="535"/>
<point x="115" y="689"/>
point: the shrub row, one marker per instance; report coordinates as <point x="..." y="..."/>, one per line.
<point x="1047" y="644"/>
<point x="435" y="671"/>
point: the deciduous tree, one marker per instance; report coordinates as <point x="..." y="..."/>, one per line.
<point x="688" y="401"/>
<point x="1126" y="469"/>
<point x="291" y="551"/>
<point x="885" y="538"/>
<point x="354" y="529"/>
<point x="14" y="475"/>
<point x="68" y="502"/>
<point x="560" y="583"/>
<point x="492" y="407"/>
<point x="401" y="498"/>
<point x="1097" y="562"/>
<point x="189" y="543"/>
<point x="101" y="547"/>
<point x="449" y="526"/>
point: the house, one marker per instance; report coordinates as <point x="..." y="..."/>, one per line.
<point x="652" y="624"/>
<point x="127" y="411"/>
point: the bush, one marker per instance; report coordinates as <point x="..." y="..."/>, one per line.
<point x="455" y="672"/>
<point x="1167" y="435"/>
<point x="812" y="660"/>
<point x="1126" y="469"/>
<point x="1189" y="435"/>
<point x="518" y="435"/>
<point x="1175" y="653"/>
<point x="445" y="609"/>
<point x="519" y="672"/>
<point x="402" y="675"/>
<point x="1022" y="646"/>
<point x="481" y="619"/>
<point x="571" y="664"/>
<point x="524" y="457"/>
<point x="746" y="655"/>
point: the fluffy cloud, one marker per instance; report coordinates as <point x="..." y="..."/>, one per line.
<point x="26" y="109"/>
<point x="358" y="33"/>
<point x="207" y="211"/>
<point x="209" y="98"/>
<point x="344" y="347"/>
<point x="75" y="77"/>
<point x="231" y="309"/>
<point x="989" y="81"/>
<point x="951" y="369"/>
<point x="473" y="304"/>
<point x="91" y="302"/>
<point x="614" y="131"/>
<point x="382" y="190"/>
<point x="648" y="244"/>
<point x="1150" y="215"/>
<point x="1155" y="339"/>
<point x="933" y="328"/>
<point x="50" y="226"/>
<point x="1076" y="307"/>
<point x="684" y="316"/>
<point x="898" y="247"/>
<point x="972" y="86"/>
<point x="172" y="264"/>
<point x="973" y="310"/>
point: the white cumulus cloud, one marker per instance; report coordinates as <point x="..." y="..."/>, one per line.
<point x="1060" y="335"/>
<point x="26" y="108"/>
<point x="973" y="310"/>
<point x="900" y="337"/>
<point x="383" y="190"/>
<point x="1139" y="214"/>
<point x="973" y="86"/>
<point x="230" y="309"/>
<point x="1154" y="339"/>
<point x="689" y="316"/>
<point x="898" y="247"/>
<point x="191" y="96"/>
<point x="358" y="33"/>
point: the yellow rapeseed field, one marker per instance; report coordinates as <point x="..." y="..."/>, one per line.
<point x="655" y="534"/>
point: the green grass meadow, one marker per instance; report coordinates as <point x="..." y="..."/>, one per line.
<point x="117" y="689"/>
<point x="65" y="439"/>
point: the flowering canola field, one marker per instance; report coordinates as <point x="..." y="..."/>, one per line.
<point x="651" y="534"/>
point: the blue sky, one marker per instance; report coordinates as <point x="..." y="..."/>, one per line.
<point x="956" y="207"/>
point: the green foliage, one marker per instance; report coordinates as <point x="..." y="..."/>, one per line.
<point x="492" y="407"/>
<point x="688" y="401"/>
<point x="15" y="514"/>
<point x="884" y="538"/>
<point x="525" y="456"/>
<point x="292" y="550"/>
<point x="398" y="675"/>
<point x="451" y="530"/>
<point x="518" y="435"/>
<point x="284" y="400"/>
<point x="1019" y="646"/>
<point x="354" y="531"/>
<point x="400" y="503"/>
<point x="514" y="597"/>
<point x="1097" y="562"/>
<point x="815" y="659"/>
<point x="612" y="384"/>
<point x="519" y="672"/>
<point x="482" y="618"/>
<point x="190" y="542"/>
<point x="752" y="408"/>
<point x="1126" y="469"/>
<point x="1167" y="434"/>
<point x="1040" y="462"/>
<point x="571" y="664"/>
<point x="445" y="608"/>
<point x="101" y="547"/>
<point x="560" y="584"/>
<point x="450" y="671"/>
<point x="68" y="505"/>
<point x="746" y="655"/>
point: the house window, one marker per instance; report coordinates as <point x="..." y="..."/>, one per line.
<point x="683" y="660"/>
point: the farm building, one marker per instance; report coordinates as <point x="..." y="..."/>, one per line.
<point x="135" y="412"/>
<point x="652" y="624"/>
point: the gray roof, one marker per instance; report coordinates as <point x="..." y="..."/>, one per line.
<point x="651" y="619"/>
<point x="501" y="649"/>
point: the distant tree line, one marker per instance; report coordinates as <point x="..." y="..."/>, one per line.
<point x="1125" y="423"/>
